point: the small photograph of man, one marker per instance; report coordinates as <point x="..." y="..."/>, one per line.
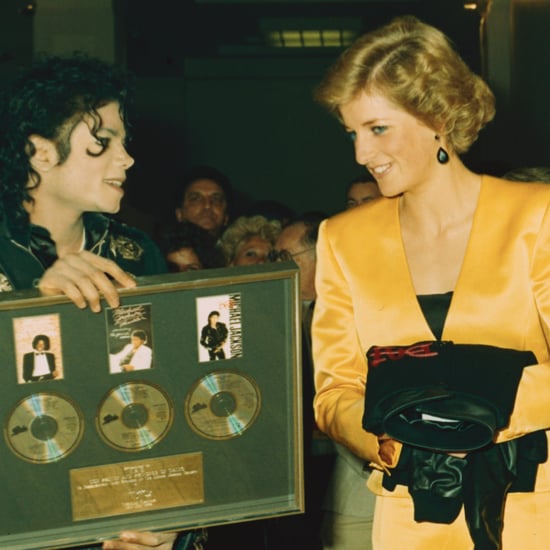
<point x="38" y="350"/>
<point x="39" y="364"/>
<point x="136" y="355"/>
<point x="214" y="336"/>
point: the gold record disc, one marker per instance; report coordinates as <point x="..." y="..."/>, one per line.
<point x="44" y="427"/>
<point x="134" y="416"/>
<point x="222" y="404"/>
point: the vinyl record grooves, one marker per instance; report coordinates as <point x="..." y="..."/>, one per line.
<point x="134" y="416"/>
<point x="222" y="404"/>
<point x="44" y="427"/>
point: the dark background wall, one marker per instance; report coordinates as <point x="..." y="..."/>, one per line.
<point x="210" y="91"/>
<point x="248" y="109"/>
<point x="16" y="36"/>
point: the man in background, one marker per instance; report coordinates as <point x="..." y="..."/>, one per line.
<point x="296" y="242"/>
<point x="339" y="507"/>
<point x="205" y="199"/>
<point x="360" y="190"/>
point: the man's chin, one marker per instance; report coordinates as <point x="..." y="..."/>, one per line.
<point x="207" y="225"/>
<point x="112" y="209"/>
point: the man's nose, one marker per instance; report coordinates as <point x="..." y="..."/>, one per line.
<point x="125" y="158"/>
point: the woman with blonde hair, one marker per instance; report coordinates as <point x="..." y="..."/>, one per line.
<point x="248" y="240"/>
<point x="445" y="256"/>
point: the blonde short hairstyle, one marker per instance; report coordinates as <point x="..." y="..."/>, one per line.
<point x="416" y="67"/>
<point x="242" y="229"/>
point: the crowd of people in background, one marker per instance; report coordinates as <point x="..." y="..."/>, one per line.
<point x="204" y="234"/>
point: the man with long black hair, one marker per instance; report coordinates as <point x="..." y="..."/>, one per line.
<point x="63" y="163"/>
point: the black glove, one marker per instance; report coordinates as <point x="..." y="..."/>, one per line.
<point x="434" y="481"/>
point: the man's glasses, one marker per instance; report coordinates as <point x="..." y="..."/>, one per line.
<point x="285" y="255"/>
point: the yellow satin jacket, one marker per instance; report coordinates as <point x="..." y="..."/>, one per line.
<point x="365" y="297"/>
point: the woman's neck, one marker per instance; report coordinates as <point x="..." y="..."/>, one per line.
<point x="436" y="230"/>
<point x="443" y="204"/>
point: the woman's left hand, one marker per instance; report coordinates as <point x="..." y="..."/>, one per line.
<point x="141" y="540"/>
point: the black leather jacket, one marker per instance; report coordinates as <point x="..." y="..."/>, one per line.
<point x="26" y="251"/>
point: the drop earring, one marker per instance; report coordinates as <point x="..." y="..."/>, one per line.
<point x="442" y="155"/>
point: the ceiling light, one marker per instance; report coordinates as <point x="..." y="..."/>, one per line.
<point x="310" y="32"/>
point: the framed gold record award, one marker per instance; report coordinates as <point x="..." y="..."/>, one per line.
<point x="179" y="409"/>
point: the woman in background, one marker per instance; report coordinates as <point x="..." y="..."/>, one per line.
<point x="249" y="240"/>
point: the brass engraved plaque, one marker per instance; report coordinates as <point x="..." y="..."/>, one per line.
<point x="137" y="486"/>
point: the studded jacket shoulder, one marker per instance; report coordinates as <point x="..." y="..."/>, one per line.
<point x="23" y="250"/>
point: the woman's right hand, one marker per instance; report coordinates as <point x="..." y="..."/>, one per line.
<point x="387" y="448"/>
<point x="85" y="278"/>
